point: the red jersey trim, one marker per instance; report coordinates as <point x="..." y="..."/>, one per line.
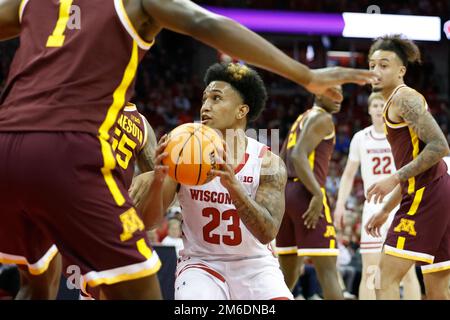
<point x="241" y="165"/>
<point x="375" y="138"/>
<point x="204" y="268"/>
<point x="263" y="151"/>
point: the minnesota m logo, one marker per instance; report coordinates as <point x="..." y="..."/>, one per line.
<point x="406" y="225"/>
<point x="330" y="232"/>
<point x="130" y="223"/>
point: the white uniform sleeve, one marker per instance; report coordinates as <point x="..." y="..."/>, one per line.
<point x="354" y="154"/>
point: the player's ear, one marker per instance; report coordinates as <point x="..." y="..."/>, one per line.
<point x="402" y="71"/>
<point x="243" y="110"/>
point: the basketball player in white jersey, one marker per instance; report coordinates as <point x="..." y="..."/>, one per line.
<point x="229" y="222"/>
<point x="370" y="149"/>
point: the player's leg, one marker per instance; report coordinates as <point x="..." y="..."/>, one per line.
<point x="370" y="275"/>
<point x="141" y="289"/>
<point x="392" y="271"/>
<point x="328" y="276"/>
<point x="21" y="241"/>
<point x="437" y="285"/>
<point x="43" y="286"/>
<point x="80" y="200"/>
<point x="291" y="266"/>
<point x="257" y="279"/>
<point x="411" y="285"/>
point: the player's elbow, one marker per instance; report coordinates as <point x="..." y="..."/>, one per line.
<point x="266" y="239"/>
<point x="441" y="148"/>
<point x="268" y="235"/>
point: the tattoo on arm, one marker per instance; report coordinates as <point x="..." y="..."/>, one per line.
<point x="412" y="110"/>
<point x="263" y="215"/>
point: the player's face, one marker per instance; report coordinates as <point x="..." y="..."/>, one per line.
<point x="332" y="106"/>
<point x="376" y="110"/>
<point x="389" y="68"/>
<point x="222" y="106"/>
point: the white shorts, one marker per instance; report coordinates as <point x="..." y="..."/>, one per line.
<point x="249" y="279"/>
<point x="368" y="243"/>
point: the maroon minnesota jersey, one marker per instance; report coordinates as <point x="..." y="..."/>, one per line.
<point x="129" y="137"/>
<point x="319" y="158"/>
<point x="75" y="67"/>
<point x="406" y="146"/>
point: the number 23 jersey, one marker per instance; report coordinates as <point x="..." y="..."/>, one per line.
<point x="211" y="227"/>
<point x="373" y="152"/>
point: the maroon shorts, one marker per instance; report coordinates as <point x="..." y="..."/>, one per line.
<point x="420" y="230"/>
<point x="60" y="191"/>
<point x="294" y="237"/>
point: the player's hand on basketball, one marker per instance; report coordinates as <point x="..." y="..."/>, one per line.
<point x="373" y="226"/>
<point x="324" y="79"/>
<point x="379" y="190"/>
<point x="225" y="171"/>
<point x="141" y="183"/>
<point x="314" y="212"/>
<point x="161" y="170"/>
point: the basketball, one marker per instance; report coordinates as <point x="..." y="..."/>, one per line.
<point x="192" y="151"/>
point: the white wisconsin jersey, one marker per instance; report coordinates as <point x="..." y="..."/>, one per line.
<point x="211" y="226"/>
<point x="447" y="161"/>
<point x="373" y="152"/>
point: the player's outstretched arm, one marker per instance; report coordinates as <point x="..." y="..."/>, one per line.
<point x="261" y="216"/>
<point x="411" y="107"/>
<point x="9" y="19"/>
<point x="146" y="158"/>
<point x="226" y="35"/>
<point x="314" y="129"/>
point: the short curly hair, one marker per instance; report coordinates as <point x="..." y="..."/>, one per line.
<point x="406" y="50"/>
<point x="244" y="80"/>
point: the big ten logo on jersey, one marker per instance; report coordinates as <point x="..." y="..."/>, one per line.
<point x="245" y="179"/>
<point x="126" y="133"/>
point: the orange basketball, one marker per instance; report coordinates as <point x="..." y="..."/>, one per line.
<point x="192" y="152"/>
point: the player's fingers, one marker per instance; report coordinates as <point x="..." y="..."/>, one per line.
<point x="333" y="94"/>
<point x="217" y="173"/>
<point x="375" y="198"/>
<point x="163" y="139"/>
<point x="160" y="158"/>
<point x="376" y="231"/>
<point x="368" y="225"/>
<point x="357" y="76"/>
